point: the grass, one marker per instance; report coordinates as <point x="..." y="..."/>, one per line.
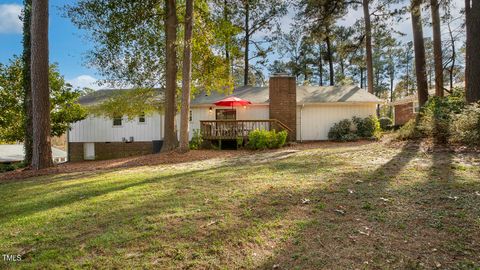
<point x="365" y="207"/>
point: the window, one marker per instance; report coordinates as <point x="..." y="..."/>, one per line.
<point x="141" y="118"/>
<point x="190" y="116"/>
<point x="226" y="114"/>
<point x="416" y="107"/>
<point x="117" y="120"/>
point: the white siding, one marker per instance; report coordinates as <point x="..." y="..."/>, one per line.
<point x="313" y="122"/>
<point x="101" y="129"/>
<point x="316" y="120"/>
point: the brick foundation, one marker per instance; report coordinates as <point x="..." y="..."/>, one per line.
<point x="110" y="150"/>
<point x="283" y="102"/>
<point x="403" y="113"/>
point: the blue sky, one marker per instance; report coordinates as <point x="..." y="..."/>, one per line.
<point x="68" y="46"/>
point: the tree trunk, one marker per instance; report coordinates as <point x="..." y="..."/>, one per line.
<point x="368" y="45"/>
<point x="330" y="59"/>
<point x="320" y="66"/>
<point x="361" y="77"/>
<point x="247" y="42"/>
<point x="472" y="61"/>
<point x="227" y="41"/>
<point x="392" y="80"/>
<point x="437" y="48"/>
<point x="419" y="46"/>
<point x="27" y="83"/>
<point x="342" y="68"/>
<point x="42" y="149"/>
<point x="170" y="136"/>
<point x="186" y="77"/>
<point x="453" y="58"/>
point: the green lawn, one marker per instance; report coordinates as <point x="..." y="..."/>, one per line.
<point x="366" y="207"/>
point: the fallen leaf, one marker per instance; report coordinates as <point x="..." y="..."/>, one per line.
<point x="305" y="201"/>
<point x="339" y="211"/>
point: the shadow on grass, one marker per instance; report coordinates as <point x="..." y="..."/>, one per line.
<point x="201" y="219"/>
<point x="249" y="215"/>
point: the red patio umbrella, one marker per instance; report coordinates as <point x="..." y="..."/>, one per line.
<point x="232" y="101"/>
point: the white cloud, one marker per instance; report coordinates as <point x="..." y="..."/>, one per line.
<point x="9" y="18"/>
<point x="84" y="81"/>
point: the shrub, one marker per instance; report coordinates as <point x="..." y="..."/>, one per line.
<point x="386" y="123"/>
<point x="465" y="126"/>
<point x="368" y="127"/>
<point x="11" y="167"/>
<point x="239" y="142"/>
<point x="340" y="130"/>
<point x="263" y="139"/>
<point x="196" y="141"/>
<point x="357" y="128"/>
<point x="435" y="117"/>
<point x="409" y="131"/>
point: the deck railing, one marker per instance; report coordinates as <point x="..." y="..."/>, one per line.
<point x="233" y="129"/>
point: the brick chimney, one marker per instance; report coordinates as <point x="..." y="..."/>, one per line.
<point x="283" y="101"/>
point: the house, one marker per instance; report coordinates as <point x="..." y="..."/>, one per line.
<point x="407" y="108"/>
<point x="306" y="112"/>
<point x="13" y="153"/>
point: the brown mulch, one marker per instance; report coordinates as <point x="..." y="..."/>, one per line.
<point x="157" y="159"/>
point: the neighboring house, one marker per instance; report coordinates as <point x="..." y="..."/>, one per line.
<point x="12" y="153"/>
<point x="308" y="111"/>
<point x="407" y="108"/>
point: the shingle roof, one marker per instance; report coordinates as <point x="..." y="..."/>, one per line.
<point x="260" y="95"/>
<point x="305" y="94"/>
<point x="104" y="94"/>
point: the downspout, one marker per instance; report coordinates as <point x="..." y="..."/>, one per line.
<point x="301" y="126"/>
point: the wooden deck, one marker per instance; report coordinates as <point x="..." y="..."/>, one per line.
<point x="233" y="129"/>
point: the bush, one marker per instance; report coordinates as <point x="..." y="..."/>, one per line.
<point x="11" y="167"/>
<point x="465" y="126"/>
<point x="409" y="131"/>
<point x="368" y="128"/>
<point x="340" y="130"/>
<point x="386" y="123"/>
<point x="357" y="128"/>
<point x="196" y="141"/>
<point x="444" y="119"/>
<point x="435" y="117"/>
<point x="263" y="139"/>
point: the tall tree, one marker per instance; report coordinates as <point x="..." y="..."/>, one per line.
<point x="255" y="16"/>
<point x="27" y="90"/>
<point x="437" y="47"/>
<point x="131" y="50"/>
<point x="186" y="77"/>
<point x="330" y="56"/>
<point x="171" y="22"/>
<point x="472" y="61"/>
<point x="368" y="44"/>
<point x="64" y="109"/>
<point x="419" y="47"/>
<point x="42" y="150"/>
<point x="319" y="18"/>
